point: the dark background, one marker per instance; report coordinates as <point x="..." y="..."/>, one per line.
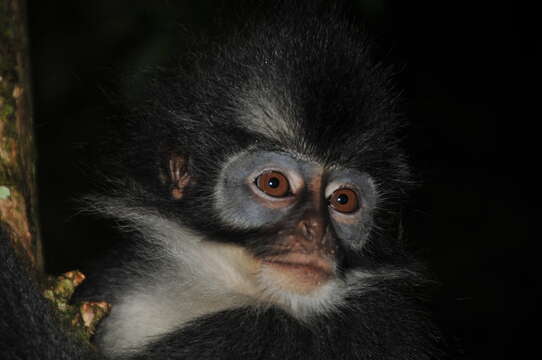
<point x="465" y="69"/>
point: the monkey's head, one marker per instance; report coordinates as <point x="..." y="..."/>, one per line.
<point x="281" y="153"/>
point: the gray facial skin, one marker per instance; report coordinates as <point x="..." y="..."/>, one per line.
<point x="241" y="204"/>
<point x="353" y="228"/>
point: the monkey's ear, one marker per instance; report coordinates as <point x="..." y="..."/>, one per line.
<point x="178" y="176"/>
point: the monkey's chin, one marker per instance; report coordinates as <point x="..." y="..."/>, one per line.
<point x="299" y="273"/>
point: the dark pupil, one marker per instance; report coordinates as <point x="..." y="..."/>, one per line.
<point x="342" y="199"/>
<point x="273" y="182"/>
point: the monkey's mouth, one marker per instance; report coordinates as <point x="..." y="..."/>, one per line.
<point x="300" y="272"/>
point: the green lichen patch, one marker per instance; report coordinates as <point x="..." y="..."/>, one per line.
<point x="4" y="192"/>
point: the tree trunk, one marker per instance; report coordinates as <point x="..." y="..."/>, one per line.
<point x="18" y="191"/>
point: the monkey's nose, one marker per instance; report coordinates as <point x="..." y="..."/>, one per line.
<point x="312" y="227"/>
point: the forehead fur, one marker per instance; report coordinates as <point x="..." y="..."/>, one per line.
<point x="266" y="113"/>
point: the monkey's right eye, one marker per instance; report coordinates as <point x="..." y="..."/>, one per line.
<point x="273" y="184"/>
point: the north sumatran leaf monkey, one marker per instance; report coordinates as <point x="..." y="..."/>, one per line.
<point x="260" y="185"/>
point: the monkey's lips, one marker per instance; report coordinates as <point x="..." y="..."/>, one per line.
<point x="300" y="272"/>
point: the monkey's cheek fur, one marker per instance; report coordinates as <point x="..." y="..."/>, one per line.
<point x="298" y="273"/>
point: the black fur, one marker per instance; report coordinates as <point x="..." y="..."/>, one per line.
<point x="381" y="324"/>
<point x="316" y="68"/>
<point x="28" y="327"/>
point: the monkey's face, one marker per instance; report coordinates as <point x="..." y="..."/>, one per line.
<point x="306" y="213"/>
<point x="295" y="216"/>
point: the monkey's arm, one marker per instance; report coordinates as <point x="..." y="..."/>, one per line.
<point x="29" y="328"/>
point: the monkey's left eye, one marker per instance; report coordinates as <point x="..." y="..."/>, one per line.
<point x="344" y="200"/>
<point x="273" y="184"/>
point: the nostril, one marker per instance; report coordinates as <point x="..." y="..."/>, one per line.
<point x="311" y="226"/>
<point x="307" y="228"/>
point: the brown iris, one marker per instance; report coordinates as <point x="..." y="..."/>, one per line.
<point x="344" y="200"/>
<point x="273" y="184"/>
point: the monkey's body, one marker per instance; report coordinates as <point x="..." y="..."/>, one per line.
<point x="382" y="323"/>
<point x="262" y="182"/>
